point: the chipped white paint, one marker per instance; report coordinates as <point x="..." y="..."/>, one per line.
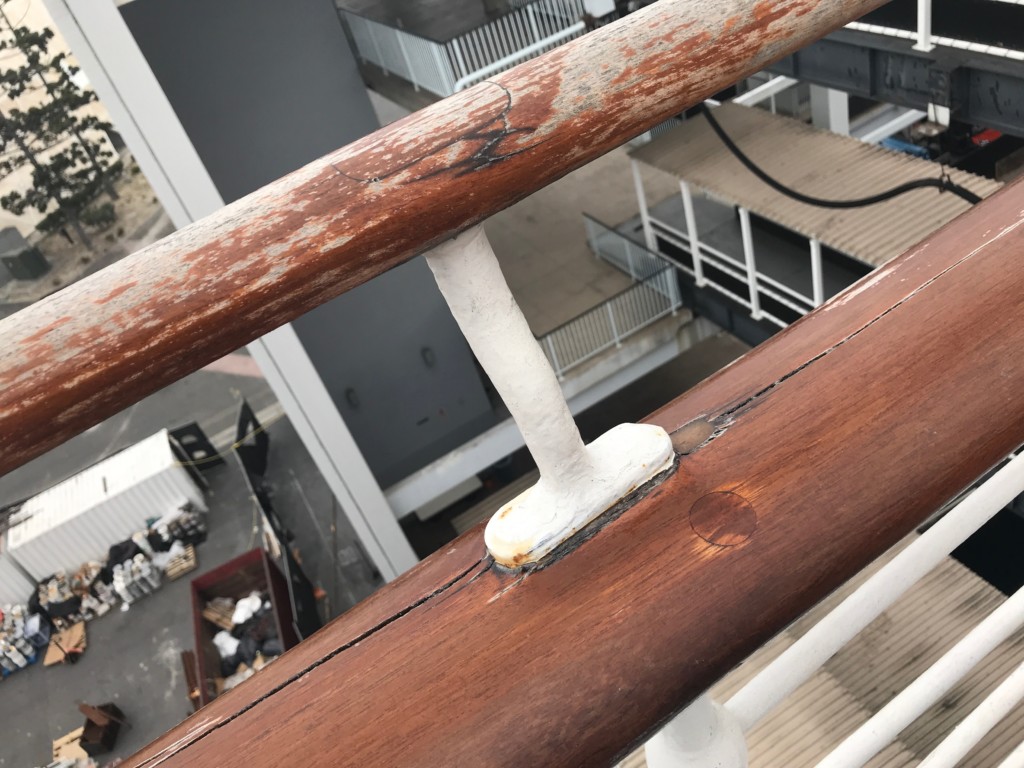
<point x="703" y="734"/>
<point x="577" y="482"/>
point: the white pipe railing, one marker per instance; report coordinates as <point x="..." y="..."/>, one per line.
<point x="511" y="60"/>
<point x="613" y="321"/>
<point x="801" y="660"/>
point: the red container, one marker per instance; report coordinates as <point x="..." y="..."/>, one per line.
<point x="252" y="572"/>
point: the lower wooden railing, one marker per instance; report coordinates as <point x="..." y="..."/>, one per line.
<point x="798" y="465"/>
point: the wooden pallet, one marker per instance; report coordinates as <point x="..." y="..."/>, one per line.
<point x="182" y="564"/>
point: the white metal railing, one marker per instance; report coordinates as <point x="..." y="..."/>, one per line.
<point x="652" y="297"/>
<point x="637" y="260"/>
<point x="810" y="652"/>
<point x="527" y="31"/>
<point x="422" y="62"/>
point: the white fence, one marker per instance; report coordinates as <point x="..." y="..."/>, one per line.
<point x="608" y="324"/>
<point x="443" y="68"/>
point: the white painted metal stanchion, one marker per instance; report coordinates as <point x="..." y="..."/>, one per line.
<point x="748" y="257"/>
<point x="577" y="482"/>
<point x="704" y="735"/>
<point x="645" y="215"/>
<point x="817" y="286"/>
<point x="924" y="26"/>
<point x="883" y="728"/>
<point x="983" y="719"/>
<point x="691" y="231"/>
<point x="798" y="662"/>
<point x="1015" y="759"/>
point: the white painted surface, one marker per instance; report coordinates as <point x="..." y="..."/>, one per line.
<point x="798" y="662"/>
<point x="15" y="587"/>
<point x="817" y="286"/>
<point x="79" y="519"/>
<point x="924" y="26"/>
<point x="691" y="231"/>
<point x="893" y="120"/>
<point x="641" y="201"/>
<point x="765" y="91"/>
<point x="927" y="689"/>
<point x="704" y="735"/>
<point x="525" y="53"/>
<point x="577" y="483"/>
<point x="973" y="728"/>
<point x="830" y="110"/>
<point x="749" y="263"/>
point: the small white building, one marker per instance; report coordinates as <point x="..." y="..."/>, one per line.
<point x="79" y="519"/>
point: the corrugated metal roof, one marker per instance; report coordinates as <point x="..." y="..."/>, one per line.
<point x="90" y="488"/>
<point x="881" y="661"/>
<point x="818" y="163"/>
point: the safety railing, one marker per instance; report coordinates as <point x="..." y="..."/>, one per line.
<point x="527" y="31"/>
<point x="636" y="259"/>
<point x="786" y="473"/>
<point x="612" y="321"/>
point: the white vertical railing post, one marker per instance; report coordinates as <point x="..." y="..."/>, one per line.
<point x="702" y="735"/>
<point x="405" y="57"/>
<point x="577" y="483"/>
<point x="641" y="200"/>
<point x="748" y="257"/>
<point x="457" y="50"/>
<point x="615" y="328"/>
<point x="924" y="26"/>
<point x="533" y="22"/>
<point x="376" y="47"/>
<point x="444" y="69"/>
<point x="691" y="231"/>
<point x="553" y="357"/>
<point x="817" y="286"/>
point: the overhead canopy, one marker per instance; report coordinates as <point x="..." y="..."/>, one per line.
<point x="818" y="163"/>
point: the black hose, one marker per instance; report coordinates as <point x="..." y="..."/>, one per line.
<point x="944" y="183"/>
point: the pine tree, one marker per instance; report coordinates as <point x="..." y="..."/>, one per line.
<point x="69" y="165"/>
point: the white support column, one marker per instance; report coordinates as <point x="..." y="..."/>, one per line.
<point x="702" y="735"/>
<point x="641" y="200"/>
<point x="691" y="231"/>
<point x="817" y="287"/>
<point x="399" y="35"/>
<point x="830" y="110"/>
<point x="109" y="55"/>
<point x="577" y="483"/>
<point x="748" y="258"/>
<point x="924" y="26"/>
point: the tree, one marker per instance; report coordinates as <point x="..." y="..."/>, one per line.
<point x="70" y="164"/>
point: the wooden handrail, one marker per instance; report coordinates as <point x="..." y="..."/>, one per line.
<point x="798" y="465"/>
<point x="83" y="354"/>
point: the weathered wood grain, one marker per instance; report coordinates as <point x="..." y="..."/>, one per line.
<point x="81" y="355"/>
<point x="833" y="441"/>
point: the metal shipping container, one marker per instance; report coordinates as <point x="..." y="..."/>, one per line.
<point x="79" y="519"/>
<point x="15" y="587"/>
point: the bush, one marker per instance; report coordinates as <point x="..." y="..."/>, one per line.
<point x="99" y="216"/>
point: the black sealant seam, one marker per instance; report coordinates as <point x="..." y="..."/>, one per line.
<point x="323" y="660"/>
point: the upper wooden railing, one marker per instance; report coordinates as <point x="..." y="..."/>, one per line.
<point x="797" y="465"/>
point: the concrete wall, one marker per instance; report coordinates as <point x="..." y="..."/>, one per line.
<point x="263" y="87"/>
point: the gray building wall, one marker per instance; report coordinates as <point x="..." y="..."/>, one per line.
<point x="263" y="87"/>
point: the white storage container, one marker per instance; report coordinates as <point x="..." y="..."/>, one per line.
<point x="15" y="587"/>
<point x="79" y="519"/>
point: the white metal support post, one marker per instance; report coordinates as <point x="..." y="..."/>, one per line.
<point x="399" y="36"/>
<point x="577" y="482"/>
<point x="117" y="69"/>
<point x="830" y="109"/>
<point x="691" y="231"/>
<point x="703" y="734"/>
<point x="641" y="200"/>
<point x="817" y="287"/>
<point x="748" y="257"/>
<point x="924" y="26"/>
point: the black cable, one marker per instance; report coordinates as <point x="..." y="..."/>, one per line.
<point x="944" y="182"/>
